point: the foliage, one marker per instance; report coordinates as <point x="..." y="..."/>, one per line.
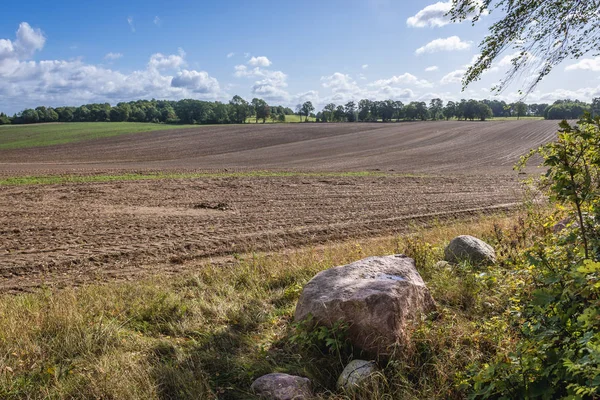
<point x="542" y="33"/>
<point x="558" y="312"/>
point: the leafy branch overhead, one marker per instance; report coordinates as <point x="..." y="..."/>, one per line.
<point x="544" y="33"/>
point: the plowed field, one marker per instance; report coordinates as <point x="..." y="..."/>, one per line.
<point x="70" y="233"/>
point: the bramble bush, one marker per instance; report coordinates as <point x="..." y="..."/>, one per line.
<point x="558" y="312"/>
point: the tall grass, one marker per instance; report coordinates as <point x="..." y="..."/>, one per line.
<point x="210" y="332"/>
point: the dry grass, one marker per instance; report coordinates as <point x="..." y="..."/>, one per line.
<point x="209" y="333"/>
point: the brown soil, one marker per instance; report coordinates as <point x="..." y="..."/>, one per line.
<point x="74" y="233"/>
<point x="453" y="146"/>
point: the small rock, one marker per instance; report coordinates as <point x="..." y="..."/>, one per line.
<point x="471" y="249"/>
<point x="376" y="298"/>
<point x="441" y="265"/>
<point x="355" y="373"/>
<point x="278" y="386"/>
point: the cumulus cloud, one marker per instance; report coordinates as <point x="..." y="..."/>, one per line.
<point x="196" y="81"/>
<point x="404" y="79"/>
<point x="365" y="66"/>
<point x="161" y="61"/>
<point x="433" y="16"/>
<point x="452" y="43"/>
<point x="260" y="62"/>
<point x="113" y="56"/>
<point x="157" y="21"/>
<point x="229" y="55"/>
<point x="339" y="83"/>
<point x="270" y="85"/>
<point x="586" y="64"/>
<point x="432" y="68"/>
<point x="453" y="77"/>
<point x="25" y="83"/>
<point x="130" y="23"/>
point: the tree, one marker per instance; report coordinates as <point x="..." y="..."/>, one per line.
<point x="307" y="108"/>
<point x="4" y="120"/>
<point x="596" y="107"/>
<point x="364" y="109"/>
<point x="261" y="108"/>
<point x="552" y="30"/>
<point x="520" y="108"/>
<point x="241" y="109"/>
<point x="398" y="110"/>
<point x="328" y="111"/>
<point x="339" y="115"/>
<point x="299" y="110"/>
<point x="422" y="111"/>
<point x="350" y="109"/>
<point x="483" y="111"/>
<point x="436" y="107"/>
<point x="450" y="110"/>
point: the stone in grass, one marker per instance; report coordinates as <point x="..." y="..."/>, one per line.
<point x="355" y="374"/>
<point x="470" y="249"/>
<point x="278" y="386"/>
<point x="376" y="298"/>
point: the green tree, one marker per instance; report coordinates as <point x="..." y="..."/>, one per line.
<point x="241" y="109"/>
<point x="436" y="107"/>
<point x="350" y="109"/>
<point x="261" y="108"/>
<point x="553" y="30"/>
<point x="364" y="109"/>
<point x="449" y="110"/>
<point x="307" y="108"/>
<point x="520" y="109"/>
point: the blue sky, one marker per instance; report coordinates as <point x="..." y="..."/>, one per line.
<point x="73" y="52"/>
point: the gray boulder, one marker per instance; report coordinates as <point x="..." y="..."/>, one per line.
<point x="376" y="297"/>
<point x="355" y="374"/>
<point x="278" y="386"/>
<point x="471" y="249"/>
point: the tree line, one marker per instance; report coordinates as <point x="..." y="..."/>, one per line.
<point x="239" y="111"/>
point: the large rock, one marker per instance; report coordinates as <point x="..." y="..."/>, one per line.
<point x="377" y="297"/>
<point x="355" y="374"/>
<point x="470" y="249"/>
<point x="282" y="387"/>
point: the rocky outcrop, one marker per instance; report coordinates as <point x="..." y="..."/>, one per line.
<point x="355" y="374"/>
<point x="376" y="298"/>
<point x="278" y="386"/>
<point x="467" y="248"/>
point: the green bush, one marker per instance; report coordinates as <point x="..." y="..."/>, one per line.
<point x="558" y="311"/>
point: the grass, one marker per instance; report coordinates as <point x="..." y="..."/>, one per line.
<point x="209" y="333"/>
<point x="38" y="135"/>
<point x="288" y="119"/>
<point x="60" y="179"/>
<point x="515" y="118"/>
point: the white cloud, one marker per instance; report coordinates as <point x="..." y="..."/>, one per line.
<point x="270" y="84"/>
<point x="113" y="56"/>
<point x="404" y="79"/>
<point x="229" y="55"/>
<point x="339" y="83"/>
<point x="25" y="83"/>
<point x="196" y="81"/>
<point x="588" y="64"/>
<point x="452" y="43"/>
<point x="453" y="77"/>
<point x="365" y="66"/>
<point x="260" y="61"/>
<point x="157" y="21"/>
<point x="130" y="22"/>
<point x="432" y="68"/>
<point x="160" y="61"/>
<point x="434" y="16"/>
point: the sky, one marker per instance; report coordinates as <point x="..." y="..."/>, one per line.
<point x="78" y="52"/>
